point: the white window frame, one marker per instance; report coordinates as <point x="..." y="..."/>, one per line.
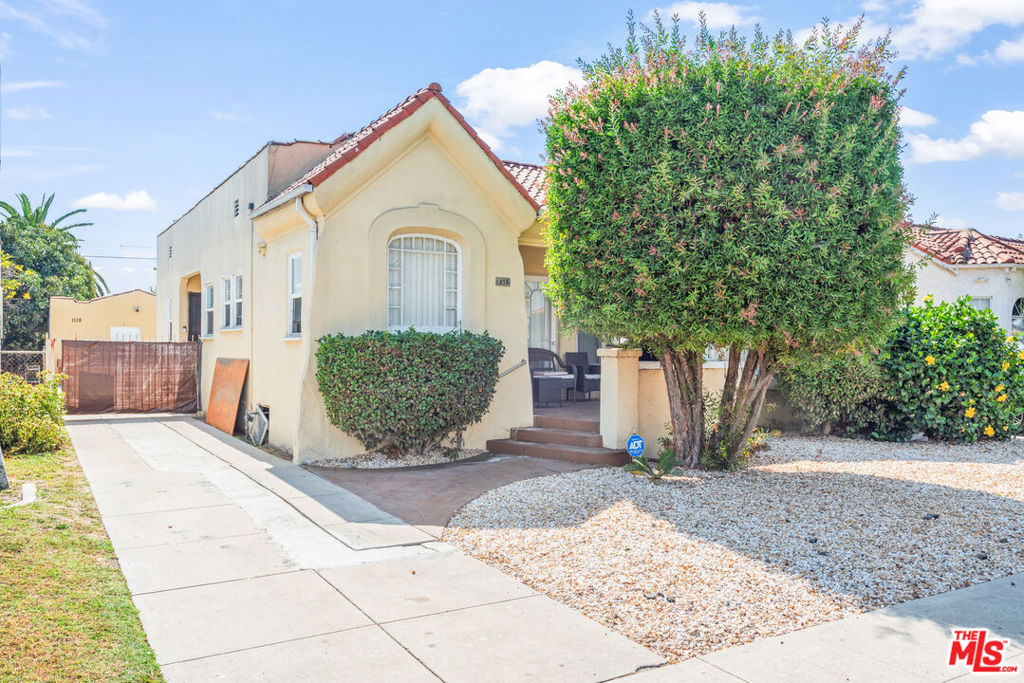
<point x="294" y="292"/>
<point x="534" y="282"/>
<point x="170" y="318"/>
<point x="1017" y="315"/>
<point x="458" y="285"/>
<point x="231" y="306"/>
<point x="238" y="302"/>
<point x="209" y="310"/>
<point x="975" y="300"/>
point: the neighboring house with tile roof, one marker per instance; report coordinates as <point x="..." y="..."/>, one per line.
<point x="410" y="221"/>
<point x="988" y="268"/>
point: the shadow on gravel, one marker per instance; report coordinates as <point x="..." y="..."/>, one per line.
<point x="872" y="539"/>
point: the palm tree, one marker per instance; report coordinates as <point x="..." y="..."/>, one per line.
<point x="35" y="219"/>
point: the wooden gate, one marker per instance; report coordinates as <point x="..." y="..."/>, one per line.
<point x="130" y="377"/>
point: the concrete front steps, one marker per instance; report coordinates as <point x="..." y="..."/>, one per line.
<point x="560" y="438"/>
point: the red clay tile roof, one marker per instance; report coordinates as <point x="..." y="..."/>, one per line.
<point x="970" y="247"/>
<point x="530" y="176"/>
<point x="353" y="145"/>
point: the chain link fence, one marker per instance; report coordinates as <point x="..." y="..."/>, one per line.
<point x="27" y="364"/>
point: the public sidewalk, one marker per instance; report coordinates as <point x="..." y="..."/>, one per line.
<point x="245" y="567"/>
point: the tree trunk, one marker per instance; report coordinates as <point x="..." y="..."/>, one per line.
<point x="684" y="377"/>
<point x="4" y="484"/>
<point x="744" y="415"/>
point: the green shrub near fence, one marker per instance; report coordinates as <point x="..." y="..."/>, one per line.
<point x="841" y="394"/>
<point x="31" y="415"/>
<point x="947" y="370"/>
<point x="405" y="392"/>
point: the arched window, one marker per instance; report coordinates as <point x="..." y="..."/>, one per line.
<point x="424" y="283"/>
<point x="1017" y="318"/>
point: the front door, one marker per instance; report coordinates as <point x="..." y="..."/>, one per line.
<point x="543" y="325"/>
<point x="194" y="315"/>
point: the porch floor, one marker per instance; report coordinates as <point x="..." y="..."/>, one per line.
<point x="581" y="410"/>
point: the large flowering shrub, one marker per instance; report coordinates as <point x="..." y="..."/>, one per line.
<point x="952" y="372"/>
<point x="31" y="415"/>
<point x="740" y="194"/>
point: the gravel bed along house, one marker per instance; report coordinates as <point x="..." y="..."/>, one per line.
<point x="815" y="529"/>
<point x="379" y="461"/>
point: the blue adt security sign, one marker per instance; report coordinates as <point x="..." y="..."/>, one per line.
<point x="635" y="446"/>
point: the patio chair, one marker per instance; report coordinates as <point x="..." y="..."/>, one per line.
<point x="586" y="380"/>
<point x="549" y="376"/>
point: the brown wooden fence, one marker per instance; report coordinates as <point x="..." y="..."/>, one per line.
<point x="135" y="377"/>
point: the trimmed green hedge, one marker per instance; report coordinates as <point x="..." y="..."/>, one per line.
<point x="31" y="415"/>
<point x="841" y="394"/>
<point x="404" y="392"/>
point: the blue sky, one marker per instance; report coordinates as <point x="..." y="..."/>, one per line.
<point x="137" y="109"/>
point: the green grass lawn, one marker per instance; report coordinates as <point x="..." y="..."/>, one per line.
<point x="65" y="610"/>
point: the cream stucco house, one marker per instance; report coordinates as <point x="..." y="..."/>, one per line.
<point x="412" y="220"/>
<point x="125" y="316"/>
<point x="988" y="268"/>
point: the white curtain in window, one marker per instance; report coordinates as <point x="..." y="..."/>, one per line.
<point x="423" y="284"/>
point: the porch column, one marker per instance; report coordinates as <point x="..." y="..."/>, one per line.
<point x="620" y="378"/>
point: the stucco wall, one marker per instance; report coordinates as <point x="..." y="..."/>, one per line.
<point x="424" y="177"/>
<point x="71" y="319"/>
<point x="652" y="399"/>
<point x="1003" y="284"/>
<point x="207" y="244"/>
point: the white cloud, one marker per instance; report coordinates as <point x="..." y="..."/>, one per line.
<point x="138" y="200"/>
<point x="996" y="133"/>
<point x="27" y="113"/>
<point x="873" y="6"/>
<point x="720" y="15"/>
<point x="966" y="60"/>
<point x="498" y="100"/>
<point x="912" y="118"/>
<point x="61" y="21"/>
<point x="1010" y="51"/>
<point x="19" y="86"/>
<point x="5" y="45"/>
<point x="938" y="26"/>
<point x="1010" y="201"/>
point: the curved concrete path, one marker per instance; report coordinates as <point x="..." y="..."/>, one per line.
<point x="245" y="567"/>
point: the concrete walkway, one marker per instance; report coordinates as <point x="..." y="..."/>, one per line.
<point x="245" y="567"/>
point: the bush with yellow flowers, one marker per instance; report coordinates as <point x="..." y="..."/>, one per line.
<point x="952" y="372"/>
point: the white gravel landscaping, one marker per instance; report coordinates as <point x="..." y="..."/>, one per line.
<point x="815" y="529"/>
<point x="379" y="461"/>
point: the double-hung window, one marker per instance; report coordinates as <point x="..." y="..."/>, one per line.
<point x="295" y="295"/>
<point x="170" y="319"/>
<point x="208" y="311"/>
<point x="424" y="275"/>
<point x="232" y="302"/>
